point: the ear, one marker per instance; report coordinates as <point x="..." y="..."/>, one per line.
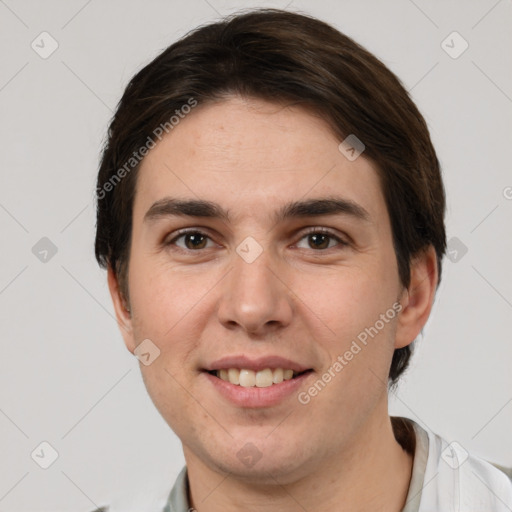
<point x="417" y="300"/>
<point x="122" y="311"/>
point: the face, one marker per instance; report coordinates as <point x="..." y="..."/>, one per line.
<point x="286" y="266"/>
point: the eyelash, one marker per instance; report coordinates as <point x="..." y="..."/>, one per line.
<point x="311" y="231"/>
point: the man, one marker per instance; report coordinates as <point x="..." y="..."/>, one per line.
<point x="271" y="215"/>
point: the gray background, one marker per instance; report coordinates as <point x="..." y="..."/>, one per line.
<point x="66" y="376"/>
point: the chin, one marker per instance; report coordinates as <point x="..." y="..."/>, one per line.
<point x="261" y="461"/>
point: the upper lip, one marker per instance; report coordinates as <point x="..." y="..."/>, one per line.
<point x="257" y="364"/>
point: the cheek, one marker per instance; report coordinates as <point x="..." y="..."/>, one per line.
<point x="166" y="390"/>
<point x="356" y="304"/>
<point x="162" y="297"/>
<point x="348" y="299"/>
<point x="164" y="312"/>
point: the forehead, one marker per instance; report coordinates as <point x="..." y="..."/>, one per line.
<point x="251" y="156"/>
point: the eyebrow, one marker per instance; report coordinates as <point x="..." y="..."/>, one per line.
<point x="170" y="207"/>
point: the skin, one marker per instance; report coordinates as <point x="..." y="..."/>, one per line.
<point x="295" y="300"/>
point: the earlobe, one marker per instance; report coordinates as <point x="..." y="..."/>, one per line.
<point x="418" y="299"/>
<point x="122" y="310"/>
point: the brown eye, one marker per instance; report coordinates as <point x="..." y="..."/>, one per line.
<point x="321" y="239"/>
<point x="192" y="240"/>
<point x="195" y="241"/>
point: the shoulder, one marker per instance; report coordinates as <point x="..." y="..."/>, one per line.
<point x="463" y="481"/>
<point x="507" y="471"/>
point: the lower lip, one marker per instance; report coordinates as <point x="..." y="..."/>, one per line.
<point x="254" y="396"/>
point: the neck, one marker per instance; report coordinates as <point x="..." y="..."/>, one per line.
<point x="373" y="473"/>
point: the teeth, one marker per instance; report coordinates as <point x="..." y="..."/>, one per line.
<point x="264" y="378"/>
<point x="277" y="376"/>
<point x="233" y="376"/>
<point x="247" y="378"/>
<point x="250" y="378"/>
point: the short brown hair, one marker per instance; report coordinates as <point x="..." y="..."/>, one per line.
<point x="280" y="56"/>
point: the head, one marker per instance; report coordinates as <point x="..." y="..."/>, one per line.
<point x="240" y="124"/>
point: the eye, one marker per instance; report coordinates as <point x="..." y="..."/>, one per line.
<point x="192" y="240"/>
<point x="320" y="238"/>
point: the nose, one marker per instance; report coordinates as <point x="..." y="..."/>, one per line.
<point x="255" y="296"/>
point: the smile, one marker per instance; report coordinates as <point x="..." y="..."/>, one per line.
<point x="249" y="378"/>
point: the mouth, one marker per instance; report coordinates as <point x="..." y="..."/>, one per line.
<point x="263" y="378"/>
<point x="260" y="382"/>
